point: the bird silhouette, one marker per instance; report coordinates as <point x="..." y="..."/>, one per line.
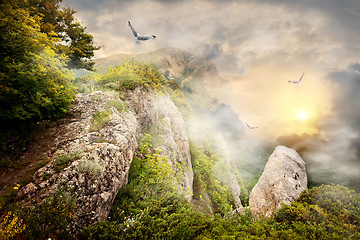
<point x="298" y="81"/>
<point x="139" y="37"/>
<point x="250" y="127"/>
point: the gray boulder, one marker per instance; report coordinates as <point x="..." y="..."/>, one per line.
<point x="282" y="181"/>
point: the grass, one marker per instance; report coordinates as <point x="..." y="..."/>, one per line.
<point x="99" y="120"/>
<point x="118" y="104"/>
<point x="91" y="168"/>
<point x="62" y="161"/>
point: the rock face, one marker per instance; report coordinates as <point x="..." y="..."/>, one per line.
<point x="282" y="181"/>
<point x="158" y="115"/>
<point x="92" y="163"/>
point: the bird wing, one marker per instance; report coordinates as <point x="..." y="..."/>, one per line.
<point x="133" y="30"/>
<point x="145" y="37"/>
<point x="247" y="125"/>
<point x="301" y="76"/>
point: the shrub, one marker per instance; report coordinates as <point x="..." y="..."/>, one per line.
<point x="325" y="212"/>
<point x="92" y="168"/>
<point x="10" y="226"/>
<point x="62" y="161"/>
<point x="131" y="75"/>
<point x="51" y="219"/>
<point x="203" y="163"/>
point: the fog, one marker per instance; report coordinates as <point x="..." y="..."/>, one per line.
<point x="257" y="47"/>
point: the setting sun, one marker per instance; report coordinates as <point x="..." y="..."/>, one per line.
<point x="302" y="115"/>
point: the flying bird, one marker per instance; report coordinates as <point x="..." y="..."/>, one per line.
<point x="139" y="37"/>
<point x="298" y="81"/>
<point x="250" y="127"/>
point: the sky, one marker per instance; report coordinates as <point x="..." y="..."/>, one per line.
<point x="258" y="46"/>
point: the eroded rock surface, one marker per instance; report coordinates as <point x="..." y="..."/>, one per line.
<point x="282" y="181"/>
<point x="157" y="114"/>
<point x="91" y="164"/>
<point x="95" y="162"/>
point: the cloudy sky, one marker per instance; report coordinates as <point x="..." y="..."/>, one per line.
<point x="257" y="47"/>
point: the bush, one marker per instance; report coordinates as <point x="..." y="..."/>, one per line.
<point x="10" y="226"/>
<point x="62" y="161"/>
<point x="325" y="212"/>
<point x="92" y="168"/>
<point x="51" y="219"/>
<point x="204" y="161"/>
<point x="131" y="75"/>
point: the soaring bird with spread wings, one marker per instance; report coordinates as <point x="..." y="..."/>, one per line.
<point x="250" y="127"/>
<point x="139" y="37"/>
<point x="298" y="81"/>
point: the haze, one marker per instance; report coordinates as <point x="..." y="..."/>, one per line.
<point x="257" y="47"/>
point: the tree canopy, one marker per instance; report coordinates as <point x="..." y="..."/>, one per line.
<point x="76" y="43"/>
<point x="33" y="81"/>
<point x="40" y="41"/>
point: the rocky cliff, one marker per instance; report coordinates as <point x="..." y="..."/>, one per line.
<point x="95" y="144"/>
<point x="95" y="147"/>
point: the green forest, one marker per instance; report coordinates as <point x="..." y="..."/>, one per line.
<point x="41" y="43"/>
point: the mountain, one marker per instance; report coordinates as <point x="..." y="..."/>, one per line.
<point x="133" y="159"/>
<point x="173" y="63"/>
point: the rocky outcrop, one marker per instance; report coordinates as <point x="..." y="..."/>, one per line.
<point x="91" y="165"/>
<point x="158" y="115"/>
<point x="282" y="181"/>
<point x="91" y="161"/>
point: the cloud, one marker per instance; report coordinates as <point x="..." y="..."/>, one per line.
<point x="257" y="46"/>
<point x="334" y="155"/>
<point x="226" y="31"/>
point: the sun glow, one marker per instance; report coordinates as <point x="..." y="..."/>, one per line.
<point x="302" y="115"/>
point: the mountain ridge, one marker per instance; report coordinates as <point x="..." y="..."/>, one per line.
<point x="173" y="63"/>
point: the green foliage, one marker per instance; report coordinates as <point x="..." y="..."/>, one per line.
<point x="51" y="218"/>
<point x="99" y="120"/>
<point x="91" y="168"/>
<point x="62" y="161"/>
<point x="130" y="76"/>
<point x="151" y="168"/>
<point x="118" y="104"/>
<point x="74" y="42"/>
<point x="337" y="200"/>
<point x="204" y="162"/>
<point x="33" y="81"/>
<point x="325" y="212"/>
